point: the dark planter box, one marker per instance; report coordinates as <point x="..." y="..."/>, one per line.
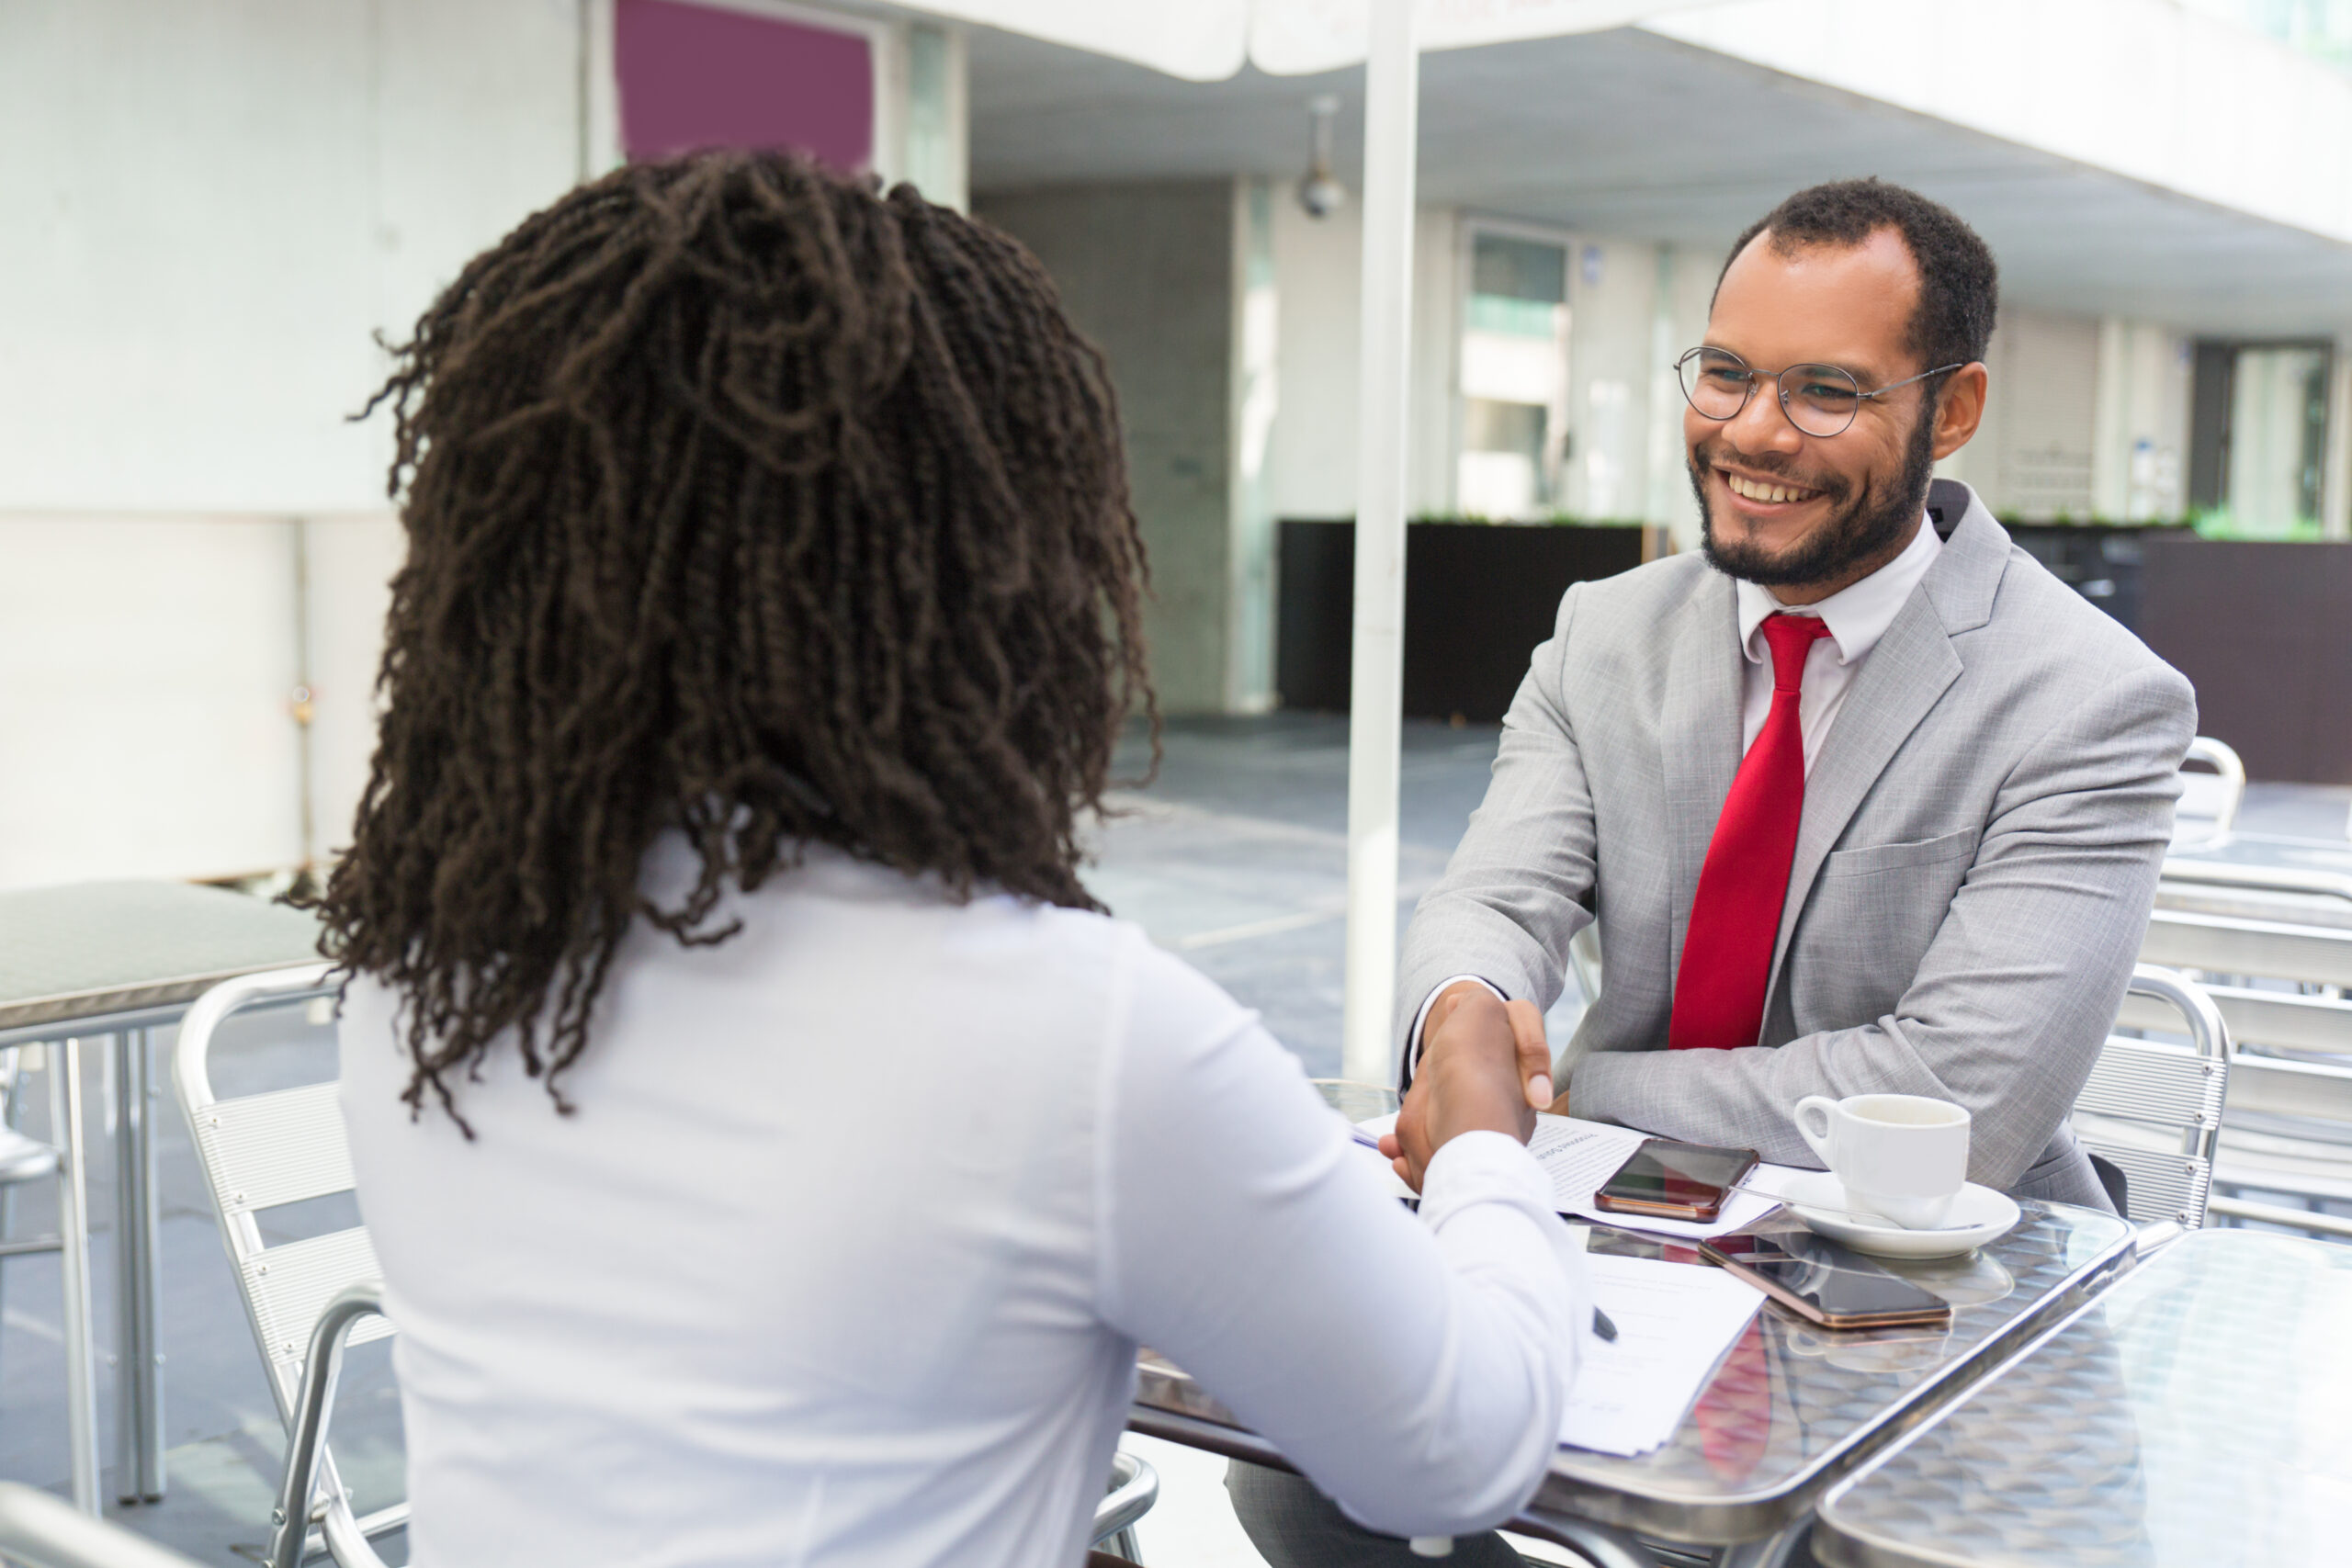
<point x="2101" y="561"/>
<point x="2264" y="632"/>
<point x="1478" y="597"/>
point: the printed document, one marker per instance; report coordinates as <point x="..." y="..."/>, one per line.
<point x="1674" y="1323"/>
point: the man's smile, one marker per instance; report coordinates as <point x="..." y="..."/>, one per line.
<point x="1766" y="494"/>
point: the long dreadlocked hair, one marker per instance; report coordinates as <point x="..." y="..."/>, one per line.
<point x="744" y="501"/>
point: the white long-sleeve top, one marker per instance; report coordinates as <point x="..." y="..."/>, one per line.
<point x="845" y="1255"/>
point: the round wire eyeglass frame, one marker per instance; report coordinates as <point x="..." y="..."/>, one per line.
<point x="1841" y="378"/>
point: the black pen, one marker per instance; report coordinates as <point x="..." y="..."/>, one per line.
<point x="1602" y="1326"/>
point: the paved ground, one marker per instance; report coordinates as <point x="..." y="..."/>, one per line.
<point x="1235" y="858"/>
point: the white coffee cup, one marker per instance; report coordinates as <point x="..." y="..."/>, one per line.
<point x="1903" y="1155"/>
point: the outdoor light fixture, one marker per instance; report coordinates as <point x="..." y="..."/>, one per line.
<point x="1320" y="192"/>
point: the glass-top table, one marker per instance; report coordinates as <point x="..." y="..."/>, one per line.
<point x="2198" y="1412"/>
<point x="1790" y="1411"/>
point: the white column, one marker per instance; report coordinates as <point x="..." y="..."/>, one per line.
<point x="1392" y="92"/>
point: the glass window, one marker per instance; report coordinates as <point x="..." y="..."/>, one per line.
<point x="2278" y="435"/>
<point x="1514" y="378"/>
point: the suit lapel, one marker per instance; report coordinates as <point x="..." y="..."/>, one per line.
<point x="1902" y="678"/>
<point x="1699" y="738"/>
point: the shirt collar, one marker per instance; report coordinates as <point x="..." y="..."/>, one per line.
<point x="1858" y="614"/>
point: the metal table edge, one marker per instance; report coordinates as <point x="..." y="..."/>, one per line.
<point x="182" y="993"/>
<point x="1750" y="1516"/>
<point x="1753" y="1516"/>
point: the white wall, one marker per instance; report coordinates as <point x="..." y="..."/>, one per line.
<point x="230" y="198"/>
<point x="214" y="207"/>
<point x="233" y="196"/>
<point x="2033" y="455"/>
<point x="146" y="668"/>
<point x="1318" y="272"/>
<point x="348" y="562"/>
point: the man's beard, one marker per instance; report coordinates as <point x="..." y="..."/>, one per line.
<point x="1860" y="530"/>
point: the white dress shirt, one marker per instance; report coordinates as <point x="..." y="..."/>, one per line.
<point x="1858" y="614"/>
<point x="844" y="1254"/>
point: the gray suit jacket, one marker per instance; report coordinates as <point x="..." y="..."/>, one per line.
<point x="1981" y="833"/>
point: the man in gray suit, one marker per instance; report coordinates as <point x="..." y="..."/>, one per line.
<point x="1862" y="797"/>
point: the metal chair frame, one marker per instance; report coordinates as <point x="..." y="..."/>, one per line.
<point x="2291" y="1054"/>
<point x="2224" y="760"/>
<point x="62" y="1067"/>
<point x="259" y="1152"/>
<point x="2163" y="1090"/>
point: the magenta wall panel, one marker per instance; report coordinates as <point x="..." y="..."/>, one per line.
<point x="700" y="76"/>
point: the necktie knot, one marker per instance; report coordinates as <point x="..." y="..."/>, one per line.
<point x="1791" y="638"/>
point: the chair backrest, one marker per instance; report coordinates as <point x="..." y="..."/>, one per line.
<point x="2208" y="806"/>
<point x="259" y="1152"/>
<point x="2279" y="987"/>
<point x="2153" y="1107"/>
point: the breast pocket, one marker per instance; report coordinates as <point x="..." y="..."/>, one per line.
<point x="1874" y="912"/>
<point x="1873" y="859"/>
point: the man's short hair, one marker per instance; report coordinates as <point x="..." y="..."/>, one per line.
<point x="1959" y="286"/>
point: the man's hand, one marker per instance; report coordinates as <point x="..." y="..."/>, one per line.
<point x="1475" y="1076"/>
<point x="1526" y="1027"/>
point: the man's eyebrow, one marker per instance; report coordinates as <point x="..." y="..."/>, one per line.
<point x="1864" y="378"/>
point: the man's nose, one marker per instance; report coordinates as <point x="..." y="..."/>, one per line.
<point x="1763" y="425"/>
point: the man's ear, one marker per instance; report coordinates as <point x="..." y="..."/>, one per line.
<point x="1960" y="409"/>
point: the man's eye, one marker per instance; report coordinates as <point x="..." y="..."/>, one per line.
<point x="1826" y="393"/>
<point x="1725" y="375"/>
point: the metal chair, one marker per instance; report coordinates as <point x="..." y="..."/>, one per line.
<point x="2215" y="808"/>
<point x="2279" y="985"/>
<point x="258" y="1152"/>
<point x="2154" y="1109"/>
<point x="38" y="1530"/>
<point x="1135" y="1487"/>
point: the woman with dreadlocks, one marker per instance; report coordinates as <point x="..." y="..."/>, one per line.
<point x="774" y="1153"/>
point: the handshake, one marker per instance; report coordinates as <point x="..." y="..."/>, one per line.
<point x="1485" y="1067"/>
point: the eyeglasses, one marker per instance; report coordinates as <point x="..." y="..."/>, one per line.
<point x="1819" y="400"/>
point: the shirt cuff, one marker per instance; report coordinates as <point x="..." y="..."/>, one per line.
<point x="1413" y="1036"/>
<point x="1484" y="1167"/>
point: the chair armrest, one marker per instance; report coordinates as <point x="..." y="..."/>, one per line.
<point x="306" y="1444"/>
<point x="1134" y="1486"/>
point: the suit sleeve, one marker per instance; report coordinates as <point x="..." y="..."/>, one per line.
<point x="1519" y="883"/>
<point x="2018" y="988"/>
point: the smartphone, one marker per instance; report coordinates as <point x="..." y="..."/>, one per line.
<point x="1667" y="1180"/>
<point x="1825" y="1283"/>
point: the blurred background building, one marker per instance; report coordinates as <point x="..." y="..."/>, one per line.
<point x="212" y="207"/>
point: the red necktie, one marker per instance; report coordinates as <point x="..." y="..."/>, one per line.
<point x="1735" y="918"/>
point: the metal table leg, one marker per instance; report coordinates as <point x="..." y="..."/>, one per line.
<point x="63" y="1060"/>
<point x="140" y="1384"/>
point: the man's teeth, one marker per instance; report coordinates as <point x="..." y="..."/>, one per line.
<point x="1752" y="490"/>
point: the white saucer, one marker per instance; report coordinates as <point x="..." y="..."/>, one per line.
<point x="1978" y="1216"/>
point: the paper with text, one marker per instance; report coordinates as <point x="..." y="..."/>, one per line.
<point x="1674" y="1323"/>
